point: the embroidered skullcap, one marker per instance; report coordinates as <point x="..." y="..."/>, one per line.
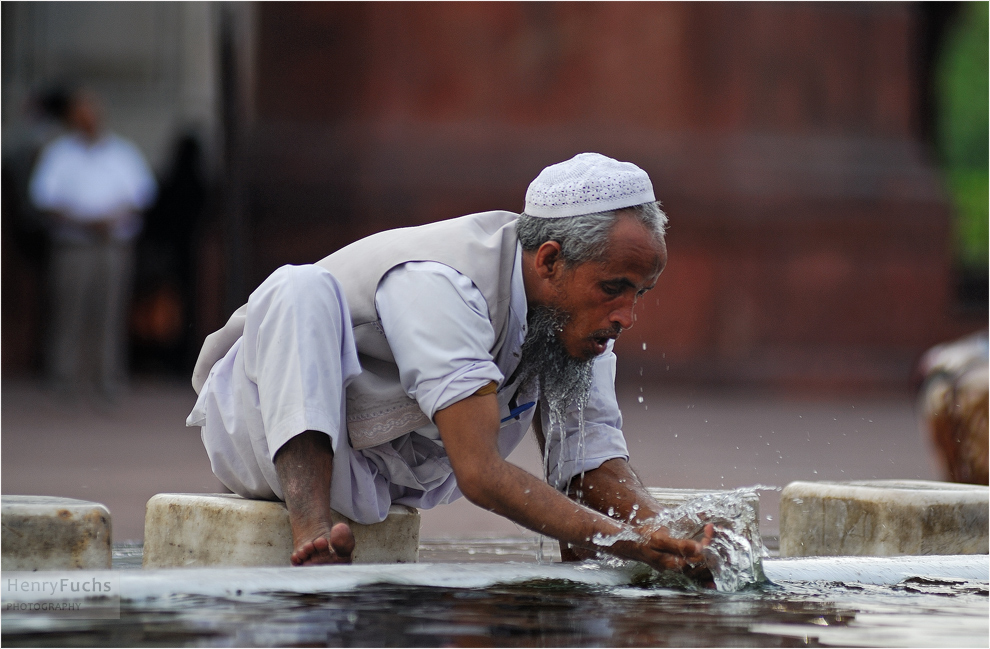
<point x="585" y="184"/>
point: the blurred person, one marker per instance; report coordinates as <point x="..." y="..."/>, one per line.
<point x="91" y="186"/>
<point x="405" y="368"/>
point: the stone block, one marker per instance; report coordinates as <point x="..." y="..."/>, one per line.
<point x="883" y="518"/>
<point x="51" y="533"/>
<point x="186" y="530"/>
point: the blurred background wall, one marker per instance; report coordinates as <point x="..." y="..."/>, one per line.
<point x="801" y="151"/>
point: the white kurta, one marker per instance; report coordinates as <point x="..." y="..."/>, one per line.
<point x="281" y="379"/>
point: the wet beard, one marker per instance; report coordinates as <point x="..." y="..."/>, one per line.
<point x="563" y="379"/>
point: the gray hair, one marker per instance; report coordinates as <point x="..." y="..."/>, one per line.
<point x="585" y="238"/>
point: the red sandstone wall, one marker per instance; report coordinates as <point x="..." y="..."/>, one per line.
<point x="809" y="236"/>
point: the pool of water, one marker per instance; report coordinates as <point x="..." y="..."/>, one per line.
<point x="496" y="593"/>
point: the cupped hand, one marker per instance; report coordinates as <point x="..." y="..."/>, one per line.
<point x="664" y="552"/>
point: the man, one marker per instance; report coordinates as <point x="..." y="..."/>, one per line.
<point x="92" y="186"/>
<point x="405" y="367"/>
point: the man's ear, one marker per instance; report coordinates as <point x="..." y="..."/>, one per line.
<point x="549" y="261"/>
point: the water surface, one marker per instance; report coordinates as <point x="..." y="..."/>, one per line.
<point x="557" y="611"/>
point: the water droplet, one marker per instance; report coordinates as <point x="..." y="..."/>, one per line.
<point x="675" y="434"/>
<point x="640" y="399"/>
<point x="769" y="518"/>
<point x="644" y="345"/>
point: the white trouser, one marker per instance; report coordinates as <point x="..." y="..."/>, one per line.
<point x="287" y="375"/>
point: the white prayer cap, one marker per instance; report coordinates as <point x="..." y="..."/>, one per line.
<point x="585" y="184"/>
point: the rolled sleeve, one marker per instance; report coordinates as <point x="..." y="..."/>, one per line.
<point x="573" y="452"/>
<point x="436" y="322"/>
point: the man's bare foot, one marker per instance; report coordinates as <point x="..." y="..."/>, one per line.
<point x="305" y="465"/>
<point x="335" y="546"/>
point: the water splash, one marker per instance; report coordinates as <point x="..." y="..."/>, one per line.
<point x="607" y="541"/>
<point x="736" y="552"/>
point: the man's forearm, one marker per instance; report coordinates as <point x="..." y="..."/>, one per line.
<point x="523" y="498"/>
<point x="614" y="489"/>
<point x="469" y="430"/>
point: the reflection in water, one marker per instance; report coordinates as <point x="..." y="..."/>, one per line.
<point x="540" y="612"/>
<point x="547" y="613"/>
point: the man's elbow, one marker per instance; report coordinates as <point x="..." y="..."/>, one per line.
<point x="477" y="486"/>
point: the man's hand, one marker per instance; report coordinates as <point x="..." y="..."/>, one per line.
<point x="682" y="555"/>
<point x="101" y="229"/>
<point x="469" y="429"/>
<point x="614" y="488"/>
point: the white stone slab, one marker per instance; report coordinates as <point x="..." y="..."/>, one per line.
<point x="883" y="518"/>
<point x="50" y="533"/>
<point x="196" y="530"/>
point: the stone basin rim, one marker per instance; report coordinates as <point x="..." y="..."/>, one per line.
<point x="900" y="485"/>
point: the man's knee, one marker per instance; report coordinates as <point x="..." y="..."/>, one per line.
<point x="312" y="284"/>
<point x="306" y="276"/>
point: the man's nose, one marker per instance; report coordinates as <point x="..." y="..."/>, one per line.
<point x="623" y="316"/>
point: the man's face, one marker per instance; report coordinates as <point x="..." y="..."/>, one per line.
<point x="598" y="297"/>
<point x="84" y="114"/>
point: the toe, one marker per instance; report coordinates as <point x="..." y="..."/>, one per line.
<point x="341" y="541"/>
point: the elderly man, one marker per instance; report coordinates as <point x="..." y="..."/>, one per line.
<point x="405" y="367"/>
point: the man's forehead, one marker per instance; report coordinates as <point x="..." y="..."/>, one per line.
<point x="640" y="267"/>
<point x="634" y="246"/>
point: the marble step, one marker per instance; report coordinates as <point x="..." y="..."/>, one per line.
<point x="883" y="518"/>
<point x="52" y="533"/>
<point x="187" y="530"/>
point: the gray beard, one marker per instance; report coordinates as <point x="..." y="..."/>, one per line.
<point x="563" y="379"/>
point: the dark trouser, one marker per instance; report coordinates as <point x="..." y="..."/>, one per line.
<point x="90" y="288"/>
